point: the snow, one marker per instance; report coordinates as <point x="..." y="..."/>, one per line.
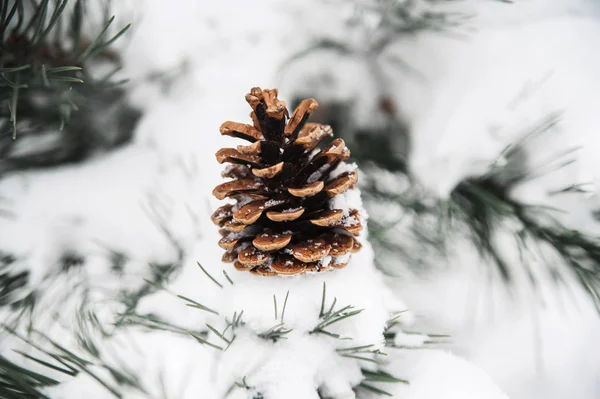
<point x="271" y="203"/>
<point x="316" y="175"/>
<point x="342" y="259"/>
<point x="301" y="361"/>
<point x="486" y="96"/>
<point x="404" y="340"/>
<point x="440" y="374"/>
<point x="529" y="347"/>
<point x="347" y="201"/>
<point x="325" y="261"/>
<point x="343" y="168"/>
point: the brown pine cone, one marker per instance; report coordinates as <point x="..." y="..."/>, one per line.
<point x="283" y="222"/>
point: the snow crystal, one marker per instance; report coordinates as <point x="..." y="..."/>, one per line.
<point x="404" y="340"/>
<point x="316" y="175"/>
<point x="241" y="247"/>
<point x="312" y="154"/>
<point x="350" y="221"/>
<point x="243" y="199"/>
<point x="343" y="167"/>
<point x="272" y="202"/>
<point x="221" y="214"/>
<point x="325" y="261"/>
<point x="343" y="258"/>
<point x="348" y="200"/>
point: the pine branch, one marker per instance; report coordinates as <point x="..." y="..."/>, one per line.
<point x="16" y="380"/>
<point x="160" y="273"/>
<point x="243" y="384"/>
<point x="332" y="316"/>
<point x="49" y="92"/>
<point x="358" y="353"/>
<point x="483" y="204"/>
<point x="35" y="56"/>
<point x="395" y="19"/>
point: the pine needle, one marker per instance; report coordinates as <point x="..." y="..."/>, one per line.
<point x="323" y="300"/>
<point x="218" y="334"/>
<point x="197" y="305"/>
<point x="227" y="277"/>
<point x="275" y="333"/>
<point x="203" y="341"/>
<point x="374" y="389"/>
<point x="209" y="276"/>
<point x="284" y="305"/>
<point x="381" y="376"/>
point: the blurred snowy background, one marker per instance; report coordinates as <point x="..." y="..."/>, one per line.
<point x="438" y="90"/>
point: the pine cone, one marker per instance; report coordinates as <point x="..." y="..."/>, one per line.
<point x="284" y="221"/>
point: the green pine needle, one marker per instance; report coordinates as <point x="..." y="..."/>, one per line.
<point x="275" y="333"/>
<point x="284" y="305"/>
<point x="19" y="382"/>
<point x="203" y="341"/>
<point x="209" y="276"/>
<point x="381" y="376"/>
<point x="227" y="277"/>
<point x="332" y="316"/>
<point x="67" y="362"/>
<point x="373" y="389"/>
<point x="218" y="334"/>
<point x="193" y="304"/>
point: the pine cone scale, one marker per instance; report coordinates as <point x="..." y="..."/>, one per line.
<point x="253" y="257"/>
<point x="328" y="217"/>
<point x="270" y="241"/>
<point x="287" y="265"/>
<point x="300" y="116"/>
<point x="270" y="171"/>
<point x="307" y="191"/>
<point x="242" y="131"/>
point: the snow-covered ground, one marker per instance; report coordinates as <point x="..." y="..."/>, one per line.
<point x="460" y="118"/>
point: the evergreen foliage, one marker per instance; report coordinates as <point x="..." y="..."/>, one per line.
<point x="50" y="94"/>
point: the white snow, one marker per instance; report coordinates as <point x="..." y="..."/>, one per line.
<point x="302" y="361"/>
<point x="343" y="167"/>
<point x="461" y="121"/>
<point x="439" y="374"/>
